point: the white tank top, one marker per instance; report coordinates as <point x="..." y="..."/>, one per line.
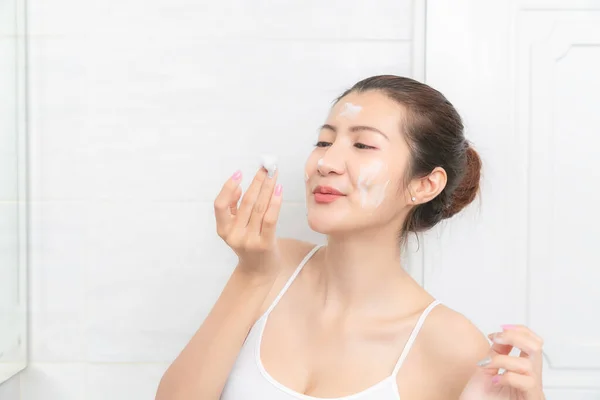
<point x="249" y="380"/>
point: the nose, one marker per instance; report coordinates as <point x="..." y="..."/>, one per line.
<point x="332" y="162"/>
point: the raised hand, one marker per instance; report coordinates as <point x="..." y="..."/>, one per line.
<point x="250" y="228"/>
<point x="522" y="378"/>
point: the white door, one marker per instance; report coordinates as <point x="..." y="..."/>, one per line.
<point x="525" y="75"/>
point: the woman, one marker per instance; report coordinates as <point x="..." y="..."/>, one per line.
<point x="345" y="321"/>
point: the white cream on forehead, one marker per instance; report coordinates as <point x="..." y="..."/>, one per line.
<point x="269" y="162"/>
<point x="350" y="110"/>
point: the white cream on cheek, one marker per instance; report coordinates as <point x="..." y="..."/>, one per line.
<point x="372" y="192"/>
<point x="319" y="164"/>
<point x="312" y="171"/>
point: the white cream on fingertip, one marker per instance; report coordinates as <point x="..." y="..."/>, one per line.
<point x="269" y="162"/>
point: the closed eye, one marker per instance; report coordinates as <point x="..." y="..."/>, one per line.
<point x="363" y="146"/>
<point x="360" y="146"/>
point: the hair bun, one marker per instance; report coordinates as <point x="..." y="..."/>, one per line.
<point x="468" y="188"/>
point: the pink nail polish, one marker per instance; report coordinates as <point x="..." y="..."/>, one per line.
<point x="496" y="379"/>
<point x="278" y="189"/>
<point x="508" y="326"/>
<point x="237" y="175"/>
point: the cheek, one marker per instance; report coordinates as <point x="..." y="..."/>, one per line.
<point x="369" y="173"/>
<point x="373" y="184"/>
<point x="310" y="167"/>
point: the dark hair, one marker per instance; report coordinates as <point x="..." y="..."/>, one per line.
<point x="434" y="133"/>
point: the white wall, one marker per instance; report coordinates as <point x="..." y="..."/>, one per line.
<point x="139" y="110"/>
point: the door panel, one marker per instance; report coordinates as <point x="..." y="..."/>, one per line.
<point x="525" y="75"/>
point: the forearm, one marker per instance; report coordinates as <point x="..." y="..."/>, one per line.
<point x="201" y="369"/>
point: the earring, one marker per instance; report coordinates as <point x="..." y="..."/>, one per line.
<point x="414" y="199"/>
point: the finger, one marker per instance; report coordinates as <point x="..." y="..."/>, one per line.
<point x="522" y="328"/>
<point x="269" y="223"/>
<point x="503" y="349"/>
<point x="223" y="201"/>
<point x="518" y="339"/>
<point x="233" y="206"/>
<point x="499" y="348"/>
<point x="261" y="205"/>
<point x="248" y="200"/>
<point x="512" y="379"/>
<point x="514" y="364"/>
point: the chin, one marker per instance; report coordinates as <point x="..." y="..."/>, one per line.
<point x="344" y="219"/>
<point x="328" y="222"/>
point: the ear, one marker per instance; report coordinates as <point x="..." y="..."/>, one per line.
<point x="428" y="187"/>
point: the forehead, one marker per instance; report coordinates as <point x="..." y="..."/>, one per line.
<point x="370" y="107"/>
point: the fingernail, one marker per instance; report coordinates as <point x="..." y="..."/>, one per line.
<point x="485" y="361"/>
<point x="496" y="379"/>
<point x="237" y="175"/>
<point x="278" y="189"/>
<point x="497" y="338"/>
<point x="508" y="326"/>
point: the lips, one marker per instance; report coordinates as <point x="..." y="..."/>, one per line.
<point x="326" y="194"/>
<point x="327" y="190"/>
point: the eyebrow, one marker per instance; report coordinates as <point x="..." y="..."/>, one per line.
<point x="356" y="128"/>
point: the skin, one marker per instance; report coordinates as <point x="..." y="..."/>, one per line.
<point x="343" y="323"/>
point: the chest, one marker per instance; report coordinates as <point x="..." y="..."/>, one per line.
<point x="324" y="358"/>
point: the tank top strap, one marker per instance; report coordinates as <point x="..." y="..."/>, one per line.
<point x="413" y="336"/>
<point x="292" y="278"/>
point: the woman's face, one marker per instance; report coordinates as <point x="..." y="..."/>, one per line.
<point x="361" y="155"/>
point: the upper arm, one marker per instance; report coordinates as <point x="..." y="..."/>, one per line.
<point x="454" y="346"/>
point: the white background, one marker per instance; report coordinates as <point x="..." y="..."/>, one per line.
<point x="13" y="191"/>
<point x="139" y="110"/>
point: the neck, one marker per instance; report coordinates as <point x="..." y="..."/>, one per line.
<point x="363" y="271"/>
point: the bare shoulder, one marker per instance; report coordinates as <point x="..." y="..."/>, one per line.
<point x="292" y="252"/>
<point x="452" y="333"/>
<point x="452" y="346"/>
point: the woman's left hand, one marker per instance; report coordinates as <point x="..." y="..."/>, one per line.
<point x="522" y="378"/>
